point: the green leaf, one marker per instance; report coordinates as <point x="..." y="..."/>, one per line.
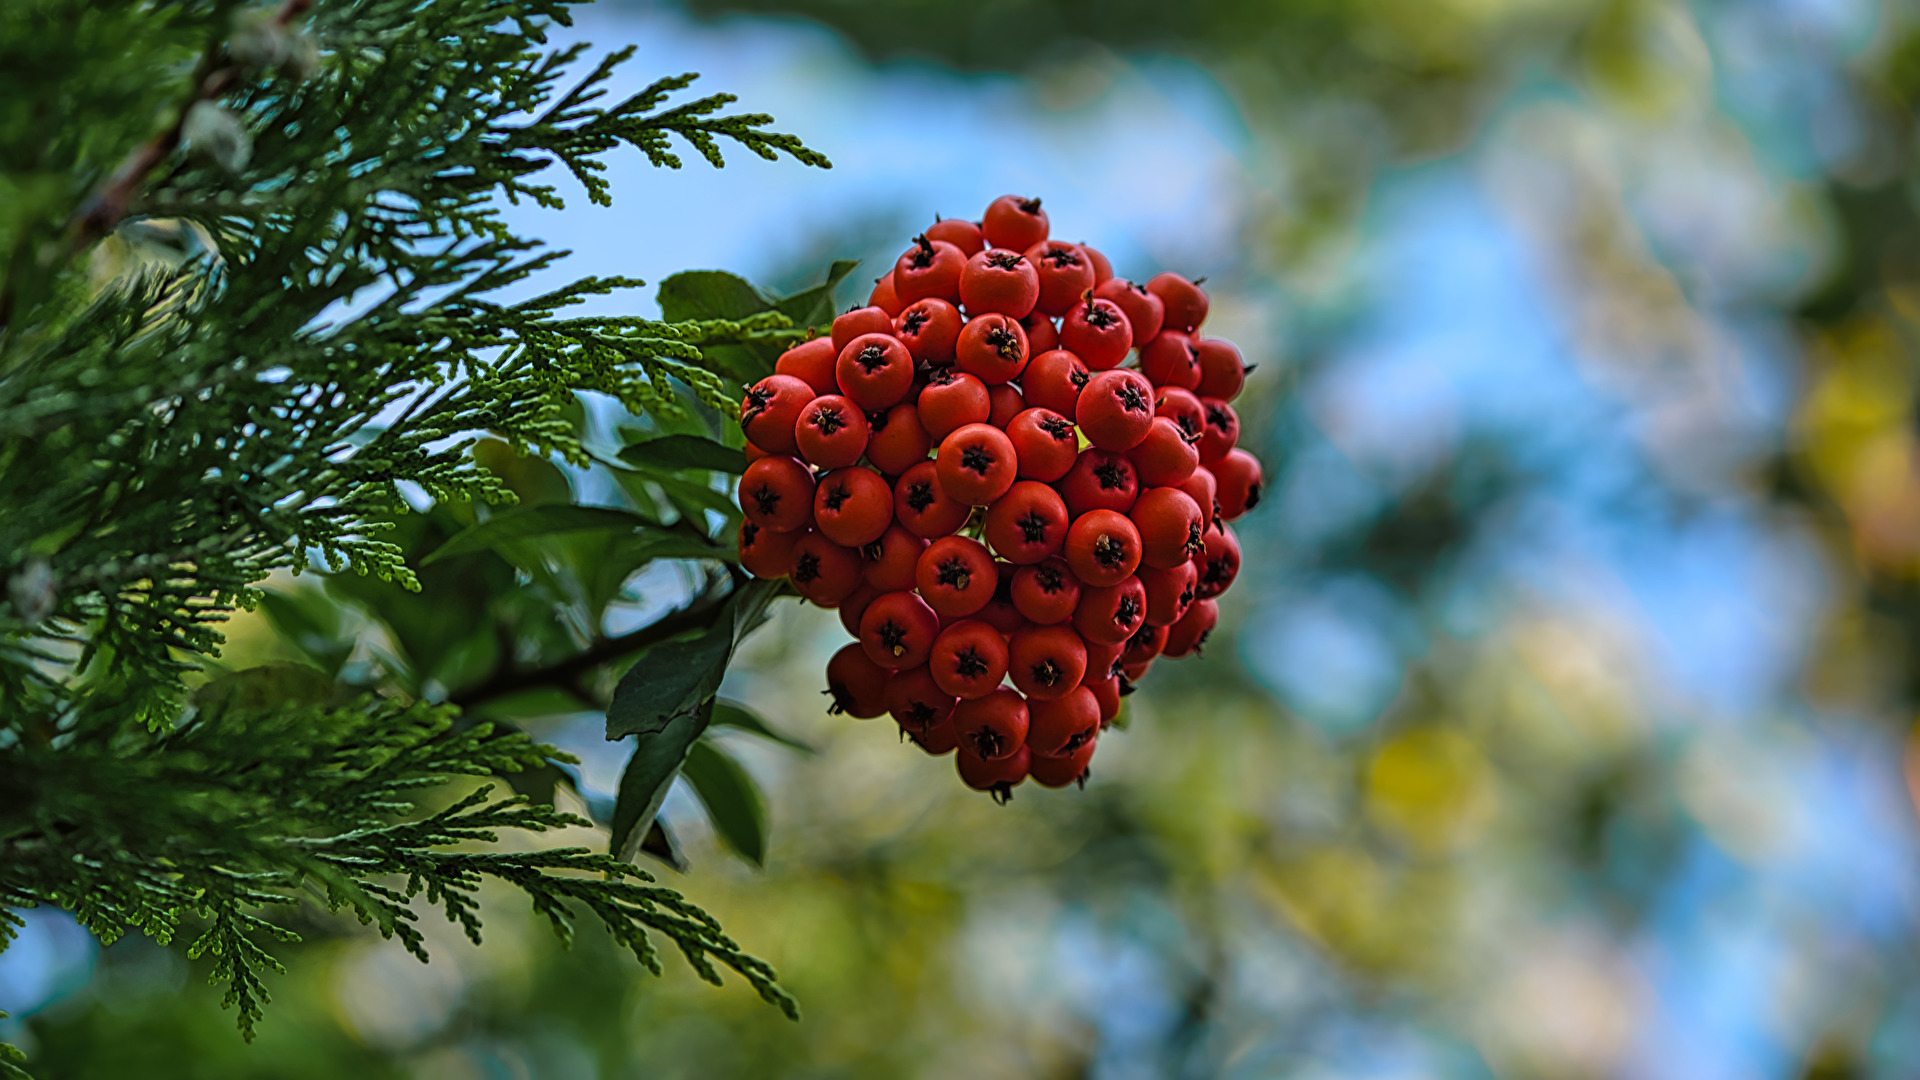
<point x="735" y="715"/>
<point x="663" y="845"/>
<point x="709" y="294"/>
<point x="660" y="544"/>
<point x="649" y="773"/>
<point x="523" y="522"/>
<point x="268" y="686"/>
<point x="732" y="798"/>
<point x="685" y="452"/>
<point x="814" y="307"/>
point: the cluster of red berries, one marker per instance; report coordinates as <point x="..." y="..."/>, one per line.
<point x="989" y="495"/>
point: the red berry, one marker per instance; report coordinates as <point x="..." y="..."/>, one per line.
<point x="765" y="553"/>
<point x="812" y="363"/>
<point x="1012" y="221"/>
<point x="1102" y="266"/>
<point x="1218" y="563"/>
<point x="854" y="606"/>
<point x="1063" y="724"/>
<point x="999" y="282"/>
<point x="777" y="493"/>
<point x="921" y="505"/>
<point x="1053" y="380"/>
<point x="959" y="232"/>
<point x="1109" y="614"/>
<point x="1222" y="372"/>
<point x="1238" y="477"/>
<point x="770" y="409"/>
<point x="1164" y="458"/>
<point x="875" y="370"/>
<point x="753" y="453"/>
<point x="857" y="685"/>
<point x="1169" y="592"/>
<point x="1200" y="487"/>
<point x="1005" y="403"/>
<point x="1103" y="658"/>
<point x="883" y="296"/>
<point x="1169" y="526"/>
<point x="1220" y="433"/>
<point x="1181" y="407"/>
<point x="889" y="561"/>
<point x="993" y="725"/>
<point x="831" y="432"/>
<point x="1065" y="275"/>
<point x="953" y="399"/>
<point x="1171" y="360"/>
<point x="1190" y="633"/>
<point x="1000" y="612"/>
<point x="851" y="324"/>
<point x="976" y="464"/>
<point x="823" y="571"/>
<point x="1045" y="443"/>
<point x="956" y="576"/>
<point x="1027" y="524"/>
<point x="1142" y="647"/>
<point x="1041" y="333"/>
<point x="1046" y="592"/>
<point x="1186" y="304"/>
<point x="996" y="778"/>
<point x="1046" y="662"/>
<point x="1115" y="409"/>
<point x="929" y="327"/>
<point x="898" y="629"/>
<point x="1100" y="480"/>
<point x="968" y="661"/>
<point x="898" y="441"/>
<point x="928" y="268"/>
<point x="1107" y="692"/>
<point x="1057" y="771"/>
<point x="916" y="701"/>
<point x="1103" y="547"/>
<point x="936" y="740"/>
<point x="852" y="507"/>
<point x="993" y="347"/>
<point x="1145" y="312"/>
<point x="1097" y="332"/>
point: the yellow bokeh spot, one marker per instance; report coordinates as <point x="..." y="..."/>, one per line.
<point x="1430" y="789"/>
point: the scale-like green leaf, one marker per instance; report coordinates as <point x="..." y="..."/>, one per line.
<point x="732" y="798"/>
<point x="523" y="522"/>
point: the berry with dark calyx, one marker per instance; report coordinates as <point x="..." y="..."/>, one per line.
<point x="1169" y="592"/>
<point x="898" y="629"/>
<point x="1065" y="275"/>
<point x="992" y="347"/>
<point x="1103" y="658"/>
<point x="929" y="327"/>
<point x="823" y="571"/>
<point x="1064" y="723"/>
<point x="969" y="659"/>
<point x="1041" y="333"/>
<point x="888" y="563"/>
<point x="897" y="441"/>
<point x="956" y="575"/>
<point x="1000" y="612"/>
<point x="777" y="493"/>
<point x="1183" y="408"/>
<point x="1115" y="409"/>
<point x="999" y="282"/>
<point x="1046" y="592"/>
<point x="1053" y="380"/>
<point x="1220" y="432"/>
<point x="853" y="506"/>
<point x="1046" y="662"/>
<point x="770" y="409"/>
<point x="916" y="702"/>
<point x="1165" y="458"/>
<point x="1100" y="480"/>
<point x="766" y="553"/>
<point x="1027" y="524"/>
<point x="1189" y="635"/>
<point x="854" y="606"/>
<point x="1102" y="266"/>
<point x="831" y="432"/>
<point x="991" y="726"/>
<point x="1169" y="527"/>
<point x="953" y="399"/>
<point x="1238" y="476"/>
<point x="851" y="324"/>
<point x="1146" y="313"/>
<point x="1133" y="673"/>
<point x="1142" y="647"/>
<point x="1110" y="614"/>
<point x="1200" y="487"/>
<point x="959" y="232"/>
<point x="1107" y="692"/>
<point x="996" y="778"/>
<point x="1222" y="371"/>
<point x="883" y="296"/>
<point x="1103" y="547"/>
<point x="1014" y="221"/>
<point x="937" y="740"/>
<point x="1097" y="331"/>
<point x="1004" y="403"/>
<point x="1058" y="771"/>
<point x="928" y="268"/>
<point x="1046" y="444"/>
<point x="923" y="507"/>
<point x="875" y="370"/>
<point x="1171" y="360"/>
<point x="1217" y="564"/>
<point x="976" y="464"/>
<point x="1186" y="305"/>
<point x="856" y="686"/>
<point x="812" y="363"/>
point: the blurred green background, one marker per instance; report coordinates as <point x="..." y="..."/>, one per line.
<point x="1561" y="724"/>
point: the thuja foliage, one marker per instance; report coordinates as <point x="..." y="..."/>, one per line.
<point x="251" y="263"/>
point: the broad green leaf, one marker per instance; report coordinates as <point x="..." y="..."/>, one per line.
<point x="814" y="307"/>
<point x="533" y="479"/>
<point x="523" y="522"/>
<point x="735" y="715"/>
<point x="733" y="801"/>
<point x="649" y="773"/>
<point x="709" y="294"/>
<point x="685" y="452"/>
<point x="268" y="686"/>
<point x="677" y="545"/>
<point x="663" y="845"/>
